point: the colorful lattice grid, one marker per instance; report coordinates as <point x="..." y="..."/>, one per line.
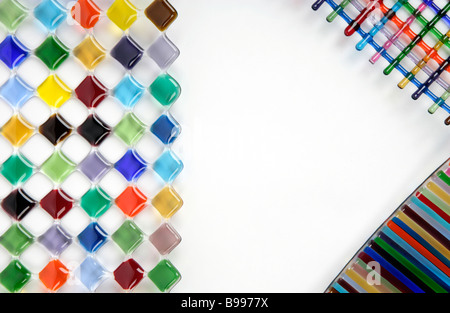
<point x="87" y="165"/>
<point x="410" y="252"/>
<point x="419" y="30"/>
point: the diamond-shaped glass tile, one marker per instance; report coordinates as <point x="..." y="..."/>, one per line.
<point x="163" y="52"/>
<point x="122" y="13"/>
<point x="92" y="237"/>
<point x="57" y="167"/>
<point x="54" y="91"/>
<point x="166" y="128"/>
<point x="131" y="165"/>
<point x="54" y="275"/>
<point x="91" y="273"/>
<point x="168" y="166"/>
<point x="57" y="203"/>
<point x="130" y="129"/>
<point x="167" y="202"/>
<point x="94" y="130"/>
<point x="129" y="274"/>
<point x="50" y="13"/>
<point x="17" y="130"/>
<point x="91" y="92"/>
<point x="16" y="239"/>
<point x="56" y="129"/>
<point x="17" y="169"/>
<point x="131" y="201"/>
<point x="129" y="91"/>
<point x="52" y="52"/>
<point x="161" y="13"/>
<point x="12" y="13"/>
<point x="95" y="202"/>
<point x="18" y="204"/>
<point x="94" y="166"/>
<point x="127" y="52"/>
<point x="86" y="13"/>
<point x="90" y="52"/>
<point x="13" y="52"/>
<point x="128" y="237"/>
<point x="165" y="238"/>
<point x="165" y="89"/>
<point x="55" y="239"/>
<point x="164" y="275"/>
<point x="16" y="91"/>
<point x="15" y="276"/>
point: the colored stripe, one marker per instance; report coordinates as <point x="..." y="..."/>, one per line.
<point x="433" y="206"/>
<point x="392" y="269"/>
<point x="436" y="244"/>
<point x="339" y="288"/>
<point x="418" y="260"/>
<point x="422" y="241"/>
<point x="430" y="212"/>
<point x="421" y="249"/>
<point x="361" y="281"/>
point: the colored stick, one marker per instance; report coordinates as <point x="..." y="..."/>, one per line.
<point x="316" y="5"/>
<point x="431" y="79"/>
<point x="335" y="13"/>
<point x="397" y="35"/>
<point x="424" y="61"/>
<point x="416" y="39"/>
<point x="357" y="22"/>
<point x="389" y="14"/>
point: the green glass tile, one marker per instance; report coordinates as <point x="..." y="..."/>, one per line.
<point x="58" y="167"/>
<point x="95" y="202"/>
<point x="16" y="239"/>
<point x="17" y="169"/>
<point x="128" y="237"/>
<point x="130" y="129"/>
<point x="12" y="13"/>
<point x="52" y="52"/>
<point x="164" y="275"/>
<point x="165" y="89"/>
<point x="15" y="276"/>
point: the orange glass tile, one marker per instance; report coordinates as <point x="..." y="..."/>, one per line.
<point x="54" y="275"/>
<point x="86" y="13"/>
<point x="131" y="201"/>
<point x="17" y="130"/>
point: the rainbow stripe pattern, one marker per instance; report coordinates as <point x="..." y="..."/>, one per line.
<point x="410" y="252"/>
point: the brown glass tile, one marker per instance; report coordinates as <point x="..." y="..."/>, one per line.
<point x="161" y="13"/>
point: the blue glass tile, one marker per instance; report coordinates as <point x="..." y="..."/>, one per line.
<point x="92" y="237"/>
<point x="16" y="92"/>
<point x="127" y="52"/>
<point x="168" y="166"/>
<point x="90" y="273"/>
<point x="12" y="52"/>
<point x="166" y="128"/>
<point x="50" y="13"/>
<point x="131" y="165"/>
<point x="129" y="91"/>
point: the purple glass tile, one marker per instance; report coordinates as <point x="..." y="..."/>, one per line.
<point x="165" y="238"/>
<point x="55" y="239"/>
<point x="94" y="166"/>
<point x="163" y="52"/>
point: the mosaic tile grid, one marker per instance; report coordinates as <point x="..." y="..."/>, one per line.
<point x="87" y="165"/>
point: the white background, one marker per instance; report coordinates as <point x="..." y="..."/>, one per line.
<point x="295" y="148"/>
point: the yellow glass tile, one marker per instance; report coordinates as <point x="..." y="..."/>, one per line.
<point x="167" y="202"/>
<point x="17" y="130"/>
<point x="122" y="13"/>
<point x="90" y="52"/>
<point x="54" y="91"/>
